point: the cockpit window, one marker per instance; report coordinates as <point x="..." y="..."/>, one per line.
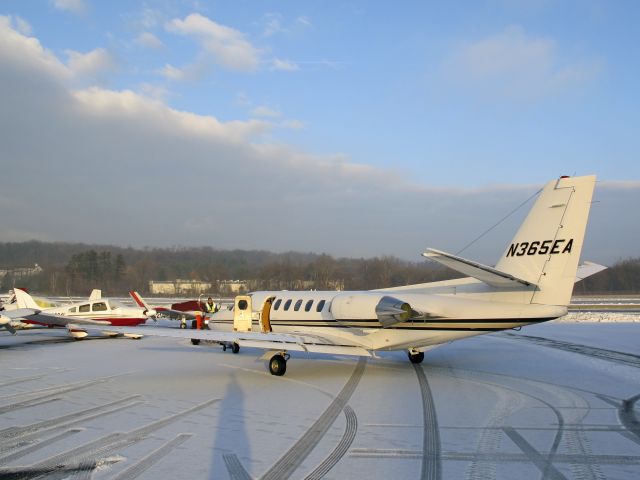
<point x="307" y="307"/>
<point x="320" y="306"/>
<point x="287" y="304"/>
<point x="297" y="307"/>
<point x="83" y="308"/>
<point x="276" y="305"/>
<point x="73" y="309"/>
<point x="99" y="307"/>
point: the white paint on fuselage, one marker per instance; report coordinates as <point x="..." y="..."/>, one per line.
<point x="456" y="316"/>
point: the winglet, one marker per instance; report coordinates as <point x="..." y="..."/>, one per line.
<point x="488" y="275"/>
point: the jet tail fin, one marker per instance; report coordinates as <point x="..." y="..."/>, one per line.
<point x="546" y="249"/>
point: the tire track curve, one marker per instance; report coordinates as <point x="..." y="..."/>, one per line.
<point x="293" y="458"/>
<point x="341" y="449"/>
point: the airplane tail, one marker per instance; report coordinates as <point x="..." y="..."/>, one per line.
<point x="148" y="310"/>
<point x="547" y="247"/>
<point x="24" y="300"/>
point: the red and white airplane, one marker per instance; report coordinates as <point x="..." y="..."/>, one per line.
<point x="96" y="311"/>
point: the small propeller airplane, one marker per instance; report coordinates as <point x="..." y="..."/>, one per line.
<point x="531" y="283"/>
<point x="76" y="317"/>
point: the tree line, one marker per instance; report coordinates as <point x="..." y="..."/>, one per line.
<point x="75" y="269"/>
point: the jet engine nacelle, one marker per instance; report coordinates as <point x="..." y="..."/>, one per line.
<point x="369" y="306"/>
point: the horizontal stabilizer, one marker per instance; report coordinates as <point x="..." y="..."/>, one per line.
<point x="488" y="275"/>
<point x="587" y="269"/>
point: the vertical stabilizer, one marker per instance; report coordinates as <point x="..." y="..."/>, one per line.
<point x="547" y="247"/>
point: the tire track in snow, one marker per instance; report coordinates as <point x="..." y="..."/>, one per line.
<point x="235" y="469"/>
<point x="149" y="460"/>
<point x="24" y="401"/>
<point x="10" y="434"/>
<point x="347" y="439"/>
<point x="431" y="458"/>
<point x="601" y="353"/>
<point x="291" y="460"/>
<point x="110" y="443"/>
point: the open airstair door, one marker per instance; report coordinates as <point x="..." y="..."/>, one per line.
<point x="265" y="316"/>
<point x="242" y="314"/>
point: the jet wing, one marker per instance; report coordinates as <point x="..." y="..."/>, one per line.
<point x="302" y="342"/>
<point x="488" y="275"/>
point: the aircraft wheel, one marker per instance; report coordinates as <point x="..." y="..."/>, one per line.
<point x="416" y="357"/>
<point x="182" y="326"/>
<point x="235" y="348"/>
<point x="277" y="365"/>
<point x="195" y="341"/>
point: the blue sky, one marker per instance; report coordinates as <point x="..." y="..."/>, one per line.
<point x="333" y="99"/>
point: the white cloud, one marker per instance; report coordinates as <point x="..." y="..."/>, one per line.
<point x="27" y="51"/>
<point x="192" y="72"/>
<point x="284" y="65"/>
<point x="91" y="64"/>
<point x="515" y="65"/>
<point x="272" y="24"/>
<point x="264" y="111"/>
<point x="303" y="21"/>
<point x="172" y="73"/>
<point x="73" y="6"/>
<point x="22" y="25"/>
<point x="61" y="141"/>
<point x="157" y="92"/>
<point x="149" y="40"/>
<point x="293" y="124"/>
<point x="228" y="47"/>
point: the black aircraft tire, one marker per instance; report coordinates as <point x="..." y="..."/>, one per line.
<point x="235" y="348"/>
<point x="416" y="357"/>
<point x="277" y="365"/>
<point x="195" y="341"/>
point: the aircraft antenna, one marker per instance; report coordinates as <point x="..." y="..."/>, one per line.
<point x="498" y="222"/>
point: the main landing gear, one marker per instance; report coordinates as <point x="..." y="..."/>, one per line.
<point x="415" y="356"/>
<point x="235" y="348"/>
<point x="278" y="364"/>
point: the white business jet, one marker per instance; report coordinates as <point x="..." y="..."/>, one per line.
<point x="531" y="283"/>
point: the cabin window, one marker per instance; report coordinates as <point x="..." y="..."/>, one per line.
<point x="99" y="307"/>
<point x="307" y="307"/>
<point x="320" y="306"/>
<point x="83" y="308"/>
<point x="297" y="307"/>
<point x="287" y="304"/>
<point x="73" y="309"/>
<point x="242" y="304"/>
<point x="277" y="304"/>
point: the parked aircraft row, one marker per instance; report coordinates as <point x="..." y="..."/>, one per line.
<point x="531" y="283"/>
<point x="76" y="316"/>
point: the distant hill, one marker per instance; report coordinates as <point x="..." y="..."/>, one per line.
<point x="76" y="268"/>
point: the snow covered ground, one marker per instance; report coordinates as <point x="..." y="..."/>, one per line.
<point x="557" y="400"/>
